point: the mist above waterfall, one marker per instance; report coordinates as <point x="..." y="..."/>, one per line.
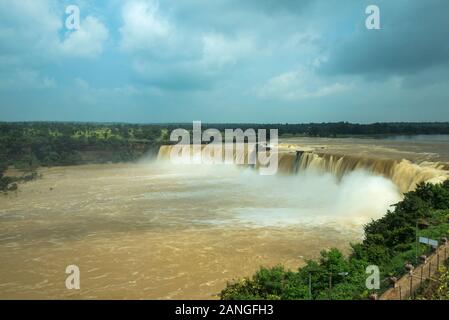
<point x="239" y="196"/>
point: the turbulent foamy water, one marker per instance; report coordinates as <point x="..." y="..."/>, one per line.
<point x="157" y="231"/>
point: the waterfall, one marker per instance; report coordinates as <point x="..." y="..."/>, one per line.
<point x="404" y="173"/>
<point x="247" y="156"/>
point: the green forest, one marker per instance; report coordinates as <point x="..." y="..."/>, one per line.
<point x="27" y="146"/>
<point x="389" y="243"/>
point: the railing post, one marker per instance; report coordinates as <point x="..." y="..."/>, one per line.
<point x="445" y="253"/>
<point x="430" y="264"/>
<point x="411" y="285"/>
<point x="421" y="273"/>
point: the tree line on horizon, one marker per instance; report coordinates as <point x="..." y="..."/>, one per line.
<point x="28" y="145"/>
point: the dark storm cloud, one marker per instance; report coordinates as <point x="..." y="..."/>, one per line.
<point x="225" y="60"/>
<point x="414" y="37"/>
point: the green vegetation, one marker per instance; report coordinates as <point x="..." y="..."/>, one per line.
<point x="390" y="243"/>
<point x="11" y="183"/>
<point x="26" y="146"/>
<point x="438" y="289"/>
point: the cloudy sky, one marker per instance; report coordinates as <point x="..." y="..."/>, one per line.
<point x="224" y="61"/>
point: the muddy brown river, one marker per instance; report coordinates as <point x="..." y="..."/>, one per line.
<point x="156" y="231"/>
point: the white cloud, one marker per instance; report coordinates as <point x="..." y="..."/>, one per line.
<point x="144" y="27"/>
<point x="88" y="41"/>
<point x="29" y="31"/>
<point x="88" y="90"/>
<point x="81" y="83"/>
<point x="219" y="51"/>
<point x="300" y="84"/>
<point x="27" y="26"/>
<point x="26" y="79"/>
<point x="167" y="53"/>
